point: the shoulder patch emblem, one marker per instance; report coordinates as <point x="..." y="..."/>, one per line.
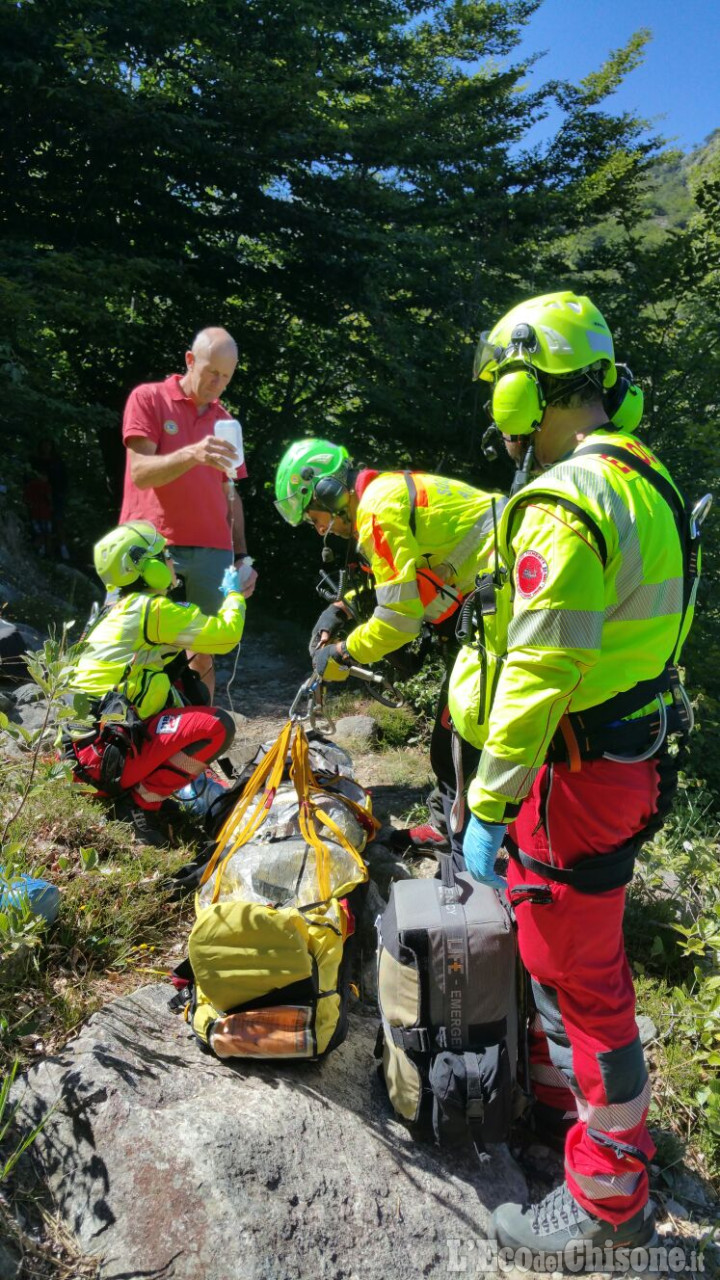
<point x="170" y="428"/>
<point x="168" y="724"/>
<point x="531" y="573"/>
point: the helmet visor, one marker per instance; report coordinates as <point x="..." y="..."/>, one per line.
<point x="486" y="353"/>
<point x="292" y="507"/>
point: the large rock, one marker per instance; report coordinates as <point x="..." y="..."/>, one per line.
<point x="358" y="732"/>
<point x="166" y="1162"/>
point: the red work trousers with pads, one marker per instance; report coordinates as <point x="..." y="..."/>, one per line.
<point x="572" y="945"/>
<point x="181" y="742"/>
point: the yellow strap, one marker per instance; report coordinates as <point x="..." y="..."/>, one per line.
<point x="269" y="770"/>
<point x="233" y="835"/>
<point x="359" y="810"/>
<point x="304" y="779"/>
<point x="345" y="844"/>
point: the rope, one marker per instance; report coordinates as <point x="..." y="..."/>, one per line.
<point x="230" y="839"/>
<point x="256" y="802"/>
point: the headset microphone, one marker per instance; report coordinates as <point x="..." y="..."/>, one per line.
<point x="328" y="555"/>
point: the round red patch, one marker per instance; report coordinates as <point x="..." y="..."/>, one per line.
<point x="531" y="573"/>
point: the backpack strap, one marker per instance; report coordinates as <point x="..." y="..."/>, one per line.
<point x="412" y="494"/>
<point x="548" y="496"/>
<point x="689" y="540"/>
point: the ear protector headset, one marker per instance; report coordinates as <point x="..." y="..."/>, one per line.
<point x="329" y="493"/>
<point x="155" y="572"/>
<point x="624" y="401"/>
<point x="518" y="401"/>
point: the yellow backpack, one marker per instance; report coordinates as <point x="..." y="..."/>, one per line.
<point x="270" y="980"/>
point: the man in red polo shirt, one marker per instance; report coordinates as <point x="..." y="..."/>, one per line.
<point x="176" y="473"/>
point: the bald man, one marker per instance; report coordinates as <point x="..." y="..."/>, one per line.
<point x="176" y="473"/>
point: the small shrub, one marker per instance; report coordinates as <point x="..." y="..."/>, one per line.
<point x="397" y="725"/>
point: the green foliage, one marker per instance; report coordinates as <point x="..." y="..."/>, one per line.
<point x="114" y="911"/>
<point x="7" y="1118"/>
<point x="422" y="691"/>
<point x="346" y="188"/>
<point x="397" y="725"/>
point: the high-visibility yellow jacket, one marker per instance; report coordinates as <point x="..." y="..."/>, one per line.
<point x="133" y="643"/>
<point x="424" y="538"/>
<point x="595" y="566"/>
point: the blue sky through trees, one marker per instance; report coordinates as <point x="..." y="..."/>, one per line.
<point x="677" y="87"/>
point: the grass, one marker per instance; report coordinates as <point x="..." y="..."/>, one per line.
<point x="397" y="726"/>
<point x="116" y="927"/>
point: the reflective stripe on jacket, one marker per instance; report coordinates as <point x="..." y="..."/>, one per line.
<point x="597" y="572"/>
<point x="145" y="632"/>
<point x="423" y="553"/>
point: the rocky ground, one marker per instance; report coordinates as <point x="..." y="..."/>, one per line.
<point x="164" y="1162"/>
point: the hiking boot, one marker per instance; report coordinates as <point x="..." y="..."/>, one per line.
<point x="144" y="823"/>
<point x="424" y="837"/>
<point x="559" y="1228"/>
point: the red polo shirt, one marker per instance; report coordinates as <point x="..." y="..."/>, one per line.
<point x="192" y="510"/>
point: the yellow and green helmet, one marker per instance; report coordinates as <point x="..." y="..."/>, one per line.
<point x="559" y="334"/>
<point x="303" y="475"/>
<point x="122" y="554"/>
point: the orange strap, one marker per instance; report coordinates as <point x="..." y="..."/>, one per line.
<point x="571" y="743"/>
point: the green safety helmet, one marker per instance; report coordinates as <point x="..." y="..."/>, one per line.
<point x="557" y="334"/>
<point x="130" y="552"/>
<point x="312" y="473"/>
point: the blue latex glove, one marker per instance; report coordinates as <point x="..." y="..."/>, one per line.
<point x="481" y="843"/>
<point x="230" y="581"/>
<point x="327" y="663"/>
<point x="237" y="577"/>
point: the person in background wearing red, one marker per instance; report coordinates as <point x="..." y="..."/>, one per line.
<point x="176" y="474"/>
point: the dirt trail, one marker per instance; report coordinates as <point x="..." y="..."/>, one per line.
<point x="270" y="669"/>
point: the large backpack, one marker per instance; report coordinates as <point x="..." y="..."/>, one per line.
<point x="269" y="962"/>
<point x="447" y="974"/>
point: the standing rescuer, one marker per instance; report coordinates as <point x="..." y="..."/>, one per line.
<point x="569" y="685"/>
<point x="421" y="536"/>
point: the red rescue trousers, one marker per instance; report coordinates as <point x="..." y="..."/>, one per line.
<point x="181" y="742"/>
<point x="572" y="945"/>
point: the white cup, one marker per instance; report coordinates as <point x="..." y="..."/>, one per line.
<point x="229" y="429"/>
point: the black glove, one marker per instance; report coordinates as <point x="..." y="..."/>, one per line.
<point x="331" y="662"/>
<point x="334" y="620"/>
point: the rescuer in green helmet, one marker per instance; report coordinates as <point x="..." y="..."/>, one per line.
<point x="164" y="743"/>
<point x="569" y="686"/>
<point x="423" y="539"/>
